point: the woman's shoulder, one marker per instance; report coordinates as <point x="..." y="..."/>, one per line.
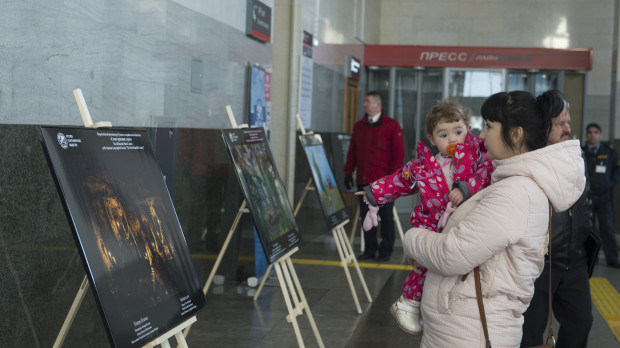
<point x="515" y="188"/>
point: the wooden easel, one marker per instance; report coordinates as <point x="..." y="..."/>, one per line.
<point x="291" y="289"/>
<point x="345" y="250"/>
<point x="289" y="282"/>
<point x="77" y="301"/>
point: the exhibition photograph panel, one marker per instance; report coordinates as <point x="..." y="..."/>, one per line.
<point x="263" y="190"/>
<point x="330" y="197"/>
<point x="126" y="229"/>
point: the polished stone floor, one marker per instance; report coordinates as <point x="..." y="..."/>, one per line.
<point x="234" y="319"/>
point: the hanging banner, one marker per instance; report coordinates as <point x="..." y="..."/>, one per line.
<point x="268" y="99"/>
<point x="305" y="81"/>
<point x="258" y="118"/>
<point x="258" y="110"/>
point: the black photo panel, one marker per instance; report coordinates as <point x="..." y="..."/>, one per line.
<point x="126" y="229"/>
<point x="330" y="197"/>
<point x="263" y="190"/>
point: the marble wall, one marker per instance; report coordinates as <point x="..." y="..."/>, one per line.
<point x="131" y="59"/>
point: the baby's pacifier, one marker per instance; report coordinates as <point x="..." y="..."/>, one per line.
<point x="450" y="149"/>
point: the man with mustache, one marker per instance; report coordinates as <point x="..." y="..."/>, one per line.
<point x="604" y="173"/>
<point x="570" y="287"/>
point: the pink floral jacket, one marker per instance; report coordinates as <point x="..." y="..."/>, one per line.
<point x="471" y="173"/>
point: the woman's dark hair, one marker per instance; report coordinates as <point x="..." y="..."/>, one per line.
<point x="523" y="109"/>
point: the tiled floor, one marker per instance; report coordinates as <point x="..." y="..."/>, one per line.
<point x="233" y="319"/>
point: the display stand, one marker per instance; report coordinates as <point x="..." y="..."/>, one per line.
<point x="289" y="282"/>
<point x="77" y="301"/>
<point x="356" y="219"/>
<point x="291" y="289"/>
<point x="345" y="250"/>
<point x="177" y="332"/>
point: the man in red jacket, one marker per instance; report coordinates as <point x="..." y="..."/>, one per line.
<point x="377" y="149"/>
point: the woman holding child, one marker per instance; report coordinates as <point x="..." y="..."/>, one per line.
<point x="502" y="229"/>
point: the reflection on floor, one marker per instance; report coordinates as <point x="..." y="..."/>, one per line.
<point x="233" y="319"/>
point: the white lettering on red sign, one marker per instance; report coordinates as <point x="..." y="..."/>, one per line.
<point x="444" y="56"/>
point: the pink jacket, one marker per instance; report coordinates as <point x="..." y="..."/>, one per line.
<point x="472" y="172"/>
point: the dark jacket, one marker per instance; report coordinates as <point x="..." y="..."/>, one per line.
<point x="375" y="150"/>
<point x="602" y="183"/>
<point x="569" y="230"/>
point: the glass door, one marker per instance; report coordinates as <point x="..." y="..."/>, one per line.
<point x="472" y="87"/>
<point x="534" y="81"/>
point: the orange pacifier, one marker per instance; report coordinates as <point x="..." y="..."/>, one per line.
<point x="450" y="149"/>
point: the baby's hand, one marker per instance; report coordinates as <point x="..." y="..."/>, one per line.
<point x="417" y="268"/>
<point x="456" y="196"/>
<point x="363" y="194"/>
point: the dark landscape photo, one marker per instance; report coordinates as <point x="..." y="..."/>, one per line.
<point x="330" y="197"/>
<point x="126" y="230"/>
<point x="263" y="190"/>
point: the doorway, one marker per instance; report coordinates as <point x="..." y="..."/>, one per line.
<point x="351" y="102"/>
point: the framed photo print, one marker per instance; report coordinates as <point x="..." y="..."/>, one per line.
<point x="126" y="229"/>
<point x="339" y="147"/>
<point x="330" y="197"/>
<point x="263" y="190"/>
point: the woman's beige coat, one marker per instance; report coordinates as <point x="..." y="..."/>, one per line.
<point x="502" y="229"/>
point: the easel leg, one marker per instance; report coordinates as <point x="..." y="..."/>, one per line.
<point x="71" y="315"/>
<point x="347" y="246"/>
<point x="305" y="302"/>
<point x="177" y="332"/>
<point x="356" y="218"/>
<point x="181" y="343"/>
<point x="287" y="300"/>
<point x="224" y="247"/>
<point x="343" y="262"/>
<point x="303" y="196"/>
<point x="289" y="281"/>
<point x="262" y="282"/>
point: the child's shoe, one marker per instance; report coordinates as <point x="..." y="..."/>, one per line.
<point x="407" y="315"/>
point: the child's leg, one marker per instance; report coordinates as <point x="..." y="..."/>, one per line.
<point x="412" y="287"/>
<point x="406" y="310"/>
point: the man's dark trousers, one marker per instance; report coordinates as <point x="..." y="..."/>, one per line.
<point x="571" y="307"/>
<point x="386" y="213"/>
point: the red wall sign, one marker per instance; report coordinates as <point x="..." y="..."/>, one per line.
<point x="479" y="57"/>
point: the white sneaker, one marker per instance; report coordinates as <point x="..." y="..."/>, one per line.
<point x="407" y="315"/>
